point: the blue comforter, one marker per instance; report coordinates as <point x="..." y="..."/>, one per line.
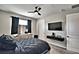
<point x="31" y="46"/>
<point x="23" y="46"/>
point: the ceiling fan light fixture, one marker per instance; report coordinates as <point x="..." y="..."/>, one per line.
<point x="37" y="9"/>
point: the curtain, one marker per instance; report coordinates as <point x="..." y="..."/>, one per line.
<point x="29" y="26"/>
<point x="15" y="24"/>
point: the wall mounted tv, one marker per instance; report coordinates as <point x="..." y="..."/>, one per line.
<point x="55" y="26"/>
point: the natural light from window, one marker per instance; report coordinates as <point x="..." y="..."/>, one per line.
<point x="22" y="22"/>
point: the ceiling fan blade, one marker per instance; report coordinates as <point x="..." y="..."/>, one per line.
<point x="35" y="11"/>
<point x="36" y="7"/>
<point x="39" y="14"/>
<point x="39" y="9"/>
<point x="31" y="12"/>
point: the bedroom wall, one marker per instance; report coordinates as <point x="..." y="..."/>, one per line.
<point x="42" y="28"/>
<point x="58" y="17"/>
<point x="5" y="22"/>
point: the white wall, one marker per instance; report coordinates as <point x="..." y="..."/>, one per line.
<point x="33" y="27"/>
<point x="5" y="22"/>
<point x="56" y="18"/>
<point x="42" y="28"/>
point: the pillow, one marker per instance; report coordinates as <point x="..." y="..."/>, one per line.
<point x="2" y="36"/>
<point x="7" y="41"/>
<point x="7" y="37"/>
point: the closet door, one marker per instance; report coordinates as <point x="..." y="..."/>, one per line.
<point x="15" y="23"/>
<point x="73" y="32"/>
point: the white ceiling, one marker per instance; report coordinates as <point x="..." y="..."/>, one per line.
<point x="23" y="9"/>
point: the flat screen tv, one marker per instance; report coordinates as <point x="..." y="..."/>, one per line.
<point x="55" y="26"/>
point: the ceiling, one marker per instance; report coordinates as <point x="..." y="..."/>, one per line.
<point x="23" y="9"/>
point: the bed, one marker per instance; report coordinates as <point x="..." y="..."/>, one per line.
<point x="9" y="45"/>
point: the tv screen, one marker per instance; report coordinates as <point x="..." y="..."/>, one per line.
<point x="55" y="26"/>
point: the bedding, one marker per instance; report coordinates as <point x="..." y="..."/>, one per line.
<point x="24" y="36"/>
<point x="32" y="46"/>
<point x="23" y="46"/>
<point x="7" y="43"/>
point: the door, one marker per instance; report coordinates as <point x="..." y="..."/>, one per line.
<point x="73" y="32"/>
<point x="41" y="29"/>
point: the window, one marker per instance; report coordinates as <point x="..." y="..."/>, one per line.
<point x="23" y="22"/>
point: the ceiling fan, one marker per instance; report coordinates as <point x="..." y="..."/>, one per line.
<point x="37" y="9"/>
